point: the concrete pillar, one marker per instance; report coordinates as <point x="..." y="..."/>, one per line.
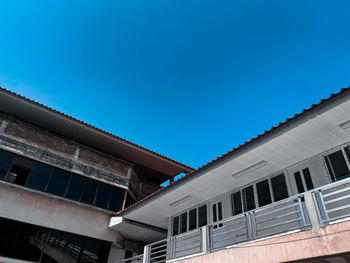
<point x="205" y="243"/>
<point x="311" y="209"/>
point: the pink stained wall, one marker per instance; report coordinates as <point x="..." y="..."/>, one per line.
<point x="331" y="240"/>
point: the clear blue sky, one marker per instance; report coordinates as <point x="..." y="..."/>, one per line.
<point x="190" y="79"/>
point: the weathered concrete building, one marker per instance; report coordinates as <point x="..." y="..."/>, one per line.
<point x="283" y="196"/>
<point x="60" y="182"/>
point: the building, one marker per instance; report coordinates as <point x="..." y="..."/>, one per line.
<point x="60" y="182"/>
<point x="283" y="196"/>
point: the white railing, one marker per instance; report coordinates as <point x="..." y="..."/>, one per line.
<point x="312" y="209"/>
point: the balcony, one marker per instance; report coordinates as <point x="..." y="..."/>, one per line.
<point x="311" y="210"/>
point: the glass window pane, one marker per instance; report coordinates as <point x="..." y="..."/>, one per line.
<point x="89" y="191"/>
<point x="236" y="202"/>
<point x="299" y="182"/>
<point x="279" y="187"/>
<point x="220" y="211"/>
<point x="175" y="226"/>
<point x="58" y="182"/>
<point x="192" y="219"/>
<point x="263" y="190"/>
<point x="214" y="213"/>
<point x="329" y="168"/>
<point x="116" y="201"/>
<point x="39" y="176"/>
<point x="308" y="179"/>
<point x="202" y="216"/>
<point x="347" y="151"/>
<point x="183" y="223"/>
<point x="338" y="164"/>
<point x="103" y="195"/>
<point x="75" y="187"/>
<point x="5" y="163"/>
<point x="248" y="201"/>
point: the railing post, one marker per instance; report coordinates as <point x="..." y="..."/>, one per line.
<point x="146" y="254"/>
<point x="311" y="208"/>
<point x="205" y="238"/>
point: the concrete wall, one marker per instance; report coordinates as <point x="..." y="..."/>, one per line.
<point x="297" y="246"/>
<point x="41" y="209"/>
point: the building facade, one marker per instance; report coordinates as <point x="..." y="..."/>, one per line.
<point x="60" y="182"/>
<point x="283" y="196"/>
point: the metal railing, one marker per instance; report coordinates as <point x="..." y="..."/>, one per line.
<point x="312" y="209"/>
<point x="135" y="259"/>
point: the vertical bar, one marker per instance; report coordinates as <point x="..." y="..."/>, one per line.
<point x="146" y="254"/>
<point x="255" y="232"/>
<point x="323" y="207"/>
<point x="301" y="211"/>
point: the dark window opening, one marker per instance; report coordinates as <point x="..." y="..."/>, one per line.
<point x="248" y="198"/>
<point x="214" y="214"/>
<point x="220" y="211"/>
<point x="6" y="159"/>
<point x="337" y="166"/>
<point x="192" y="224"/>
<point x="183" y="223"/>
<point x="103" y="195"/>
<point x="39" y="176"/>
<point x="347" y="152"/>
<point x="263" y="191"/>
<point x="236" y="202"/>
<point x="202" y="216"/>
<point x="75" y="187"/>
<point x="116" y="201"/>
<point x="299" y="182"/>
<point x="279" y="187"/>
<point x="18" y="175"/>
<point x="58" y="182"/>
<point x="308" y="179"/>
<point x="89" y="191"/>
<point x="175" y="226"/>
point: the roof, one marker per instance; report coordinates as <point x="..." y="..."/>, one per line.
<point x="234" y="150"/>
<point x="30" y="111"/>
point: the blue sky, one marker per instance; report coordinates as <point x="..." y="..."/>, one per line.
<point x="188" y="79"/>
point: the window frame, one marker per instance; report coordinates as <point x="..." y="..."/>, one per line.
<point x="325" y="155"/>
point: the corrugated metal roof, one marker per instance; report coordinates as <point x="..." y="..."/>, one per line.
<point x="227" y="154"/>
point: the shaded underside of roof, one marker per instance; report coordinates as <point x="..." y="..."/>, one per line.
<point x="44" y="117"/>
<point x="234" y="150"/>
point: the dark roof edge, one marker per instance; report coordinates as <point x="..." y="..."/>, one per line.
<point x="11" y="93"/>
<point x="228" y="154"/>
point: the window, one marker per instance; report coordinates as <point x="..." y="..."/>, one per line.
<point x="75" y="187"/>
<point x="279" y="187"/>
<point x="263" y="191"/>
<point x="103" y="195"/>
<point x="192" y="224"/>
<point x="89" y="191"/>
<point x="337" y="166"/>
<point x="248" y="198"/>
<point x="117" y="197"/>
<point x="39" y="177"/>
<point x="299" y="182"/>
<point x="58" y="182"/>
<point x="202" y="216"/>
<point x="183" y="222"/>
<point x="175" y="226"/>
<point x="307" y="178"/>
<point x="6" y="159"/>
<point x="236" y="203"/>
